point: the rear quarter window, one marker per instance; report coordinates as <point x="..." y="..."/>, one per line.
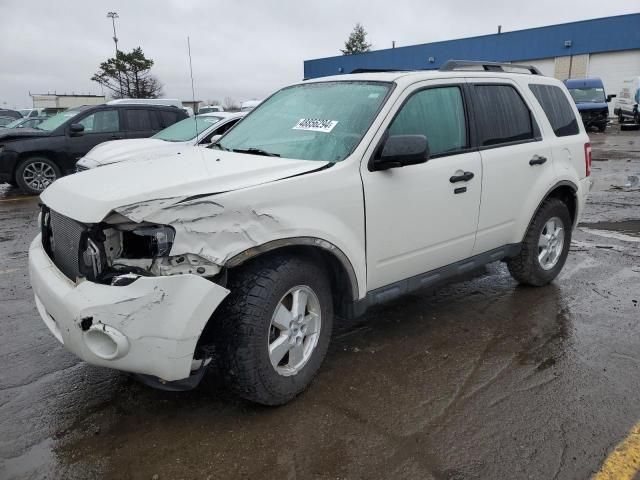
<point x="557" y="108"/>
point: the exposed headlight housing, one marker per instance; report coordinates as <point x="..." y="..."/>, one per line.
<point x="148" y="242"/>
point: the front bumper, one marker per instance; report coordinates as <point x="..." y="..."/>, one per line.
<point x="584" y="187"/>
<point x="149" y="327"/>
<point x="8" y="161"/>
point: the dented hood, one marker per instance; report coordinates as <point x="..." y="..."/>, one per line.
<point x="91" y="195"/>
<point x="131" y="149"/>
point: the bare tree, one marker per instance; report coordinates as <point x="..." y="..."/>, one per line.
<point x="230" y="104"/>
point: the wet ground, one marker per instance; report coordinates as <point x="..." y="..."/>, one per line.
<point x="482" y="379"/>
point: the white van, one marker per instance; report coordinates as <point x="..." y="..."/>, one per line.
<point x="174" y="102"/>
<point x="627" y="102"/>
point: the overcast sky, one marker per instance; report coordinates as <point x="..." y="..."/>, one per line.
<point x="242" y="49"/>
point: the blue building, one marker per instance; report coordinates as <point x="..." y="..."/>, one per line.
<point x="608" y="48"/>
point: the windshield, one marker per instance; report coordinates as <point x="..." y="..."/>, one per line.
<point x="587" y="95"/>
<point x="15" y="123"/>
<point x="186" y="129"/>
<point x="54" y="122"/>
<point x="209" y="109"/>
<point x="25" y="111"/>
<point x="315" y="121"/>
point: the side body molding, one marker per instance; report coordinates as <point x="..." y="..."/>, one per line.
<point x="328" y="247"/>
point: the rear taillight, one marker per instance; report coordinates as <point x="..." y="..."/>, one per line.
<point x="587" y="159"/>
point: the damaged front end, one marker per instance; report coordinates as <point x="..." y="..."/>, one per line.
<point x="113" y="294"/>
<point x="116" y="251"/>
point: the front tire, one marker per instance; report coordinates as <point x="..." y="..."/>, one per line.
<point x="545" y="246"/>
<point x="274" y="328"/>
<point x="35" y="174"/>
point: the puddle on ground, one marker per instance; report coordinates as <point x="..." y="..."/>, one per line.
<point x="625" y="230"/>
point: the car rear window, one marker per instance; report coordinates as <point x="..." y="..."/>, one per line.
<point x="557" y="109"/>
<point x="502" y="116"/>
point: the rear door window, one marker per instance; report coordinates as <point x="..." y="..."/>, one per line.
<point x="557" y="109"/>
<point x="502" y="116"/>
<point x="139" y="119"/>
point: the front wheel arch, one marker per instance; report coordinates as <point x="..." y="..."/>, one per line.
<point x="22" y="164"/>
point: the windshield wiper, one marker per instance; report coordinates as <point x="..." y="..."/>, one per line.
<point x="255" y="151"/>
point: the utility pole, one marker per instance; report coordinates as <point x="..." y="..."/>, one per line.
<point x="113" y="16"/>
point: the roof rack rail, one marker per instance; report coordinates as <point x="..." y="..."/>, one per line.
<point x="452" y="65"/>
<point x="376" y="70"/>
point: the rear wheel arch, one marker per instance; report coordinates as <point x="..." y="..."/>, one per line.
<point x="567" y="192"/>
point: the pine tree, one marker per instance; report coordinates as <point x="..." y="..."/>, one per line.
<point x="357" y="42"/>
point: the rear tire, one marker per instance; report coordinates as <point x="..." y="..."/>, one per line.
<point x="250" y="338"/>
<point x="35" y="174"/>
<point x="545" y="248"/>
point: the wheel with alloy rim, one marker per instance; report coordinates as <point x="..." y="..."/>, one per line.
<point x="294" y="331"/>
<point x="272" y="331"/>
<point x="35" y="174"/>
<point x="545" y="247"/>
<point x="551" y="243"/>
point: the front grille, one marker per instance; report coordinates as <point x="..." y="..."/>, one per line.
<point x="63" y="243"/>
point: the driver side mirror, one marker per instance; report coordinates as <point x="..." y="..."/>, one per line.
<point x="215" y="138"/>
<point x="400" y="150"/>
<point x="76" y="129"/>
<point x="609" y="97"/>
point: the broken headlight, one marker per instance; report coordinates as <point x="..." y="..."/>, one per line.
<point x="148" y="242"/>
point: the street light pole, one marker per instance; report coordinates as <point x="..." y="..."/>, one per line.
<point x="113" y="16"/>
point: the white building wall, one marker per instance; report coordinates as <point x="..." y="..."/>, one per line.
<point x="613" y="68"/>
<point x="545" y="65"/>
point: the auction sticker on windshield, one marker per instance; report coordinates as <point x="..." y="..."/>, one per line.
<point x="315" y="125"/>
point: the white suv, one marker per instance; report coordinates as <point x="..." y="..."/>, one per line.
<point x="333" y="195"/>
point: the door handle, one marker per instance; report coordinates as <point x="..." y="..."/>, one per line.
<point x="465" y="177"/>
<point x="537" y="160"/>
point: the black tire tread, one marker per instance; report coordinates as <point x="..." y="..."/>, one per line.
<point x="243" y="312"/>
<point x="21" y="166"/>
<point x="524" y="266"/>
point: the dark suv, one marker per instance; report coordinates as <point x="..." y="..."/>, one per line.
<point x="33" y="158"/>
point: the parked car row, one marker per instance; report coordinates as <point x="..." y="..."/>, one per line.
<point x="197" y="130"/>
<point x="592" y="101"/>
<point x="34" y="158"/>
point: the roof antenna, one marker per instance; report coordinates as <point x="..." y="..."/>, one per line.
<point x="193" y="92"/>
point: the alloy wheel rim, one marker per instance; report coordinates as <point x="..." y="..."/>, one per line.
<point x="294" y="330"/>
<point x="551" y="243"/>
<point x="38" y="175"/>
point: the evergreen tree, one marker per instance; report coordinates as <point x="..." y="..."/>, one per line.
<point x="357" y="42"/>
